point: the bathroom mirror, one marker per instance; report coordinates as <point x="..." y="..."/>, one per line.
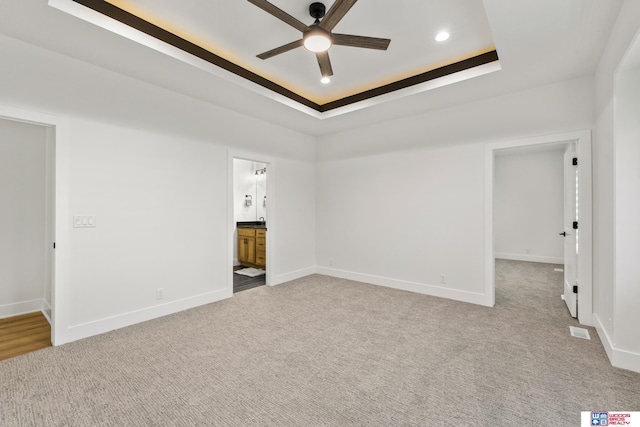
<point x="250" y="191"/>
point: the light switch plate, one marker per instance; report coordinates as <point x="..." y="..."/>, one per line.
<point x="84" y="221"/>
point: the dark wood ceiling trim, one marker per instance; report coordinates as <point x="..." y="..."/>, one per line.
<point x="146" y="27"/>
<point x="446" y="70"/>
<point x="159" y="33"/>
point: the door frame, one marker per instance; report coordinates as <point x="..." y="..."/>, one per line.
<point x="570" y="235"/>
<point x="585" y="273"/>
<point x="271" y="193"/>
<point x="58" y="131"/>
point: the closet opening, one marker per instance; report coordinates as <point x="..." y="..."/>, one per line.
<point x="27" y="225"/>
<point x="532" y="221"/>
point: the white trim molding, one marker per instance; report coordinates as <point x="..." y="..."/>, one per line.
<point x="585" y="274"/>
<point x="46" y="310"/>
<point x="273" y="212"/>
<point x="405" y="285"/>
<point x="101" y="326"/>
<point x="619" y="358"/>
<point x="530" y="258"/>
<point x="60" y="294"/>
<point x="293" y="275"/>
<point x="18" y="308"/>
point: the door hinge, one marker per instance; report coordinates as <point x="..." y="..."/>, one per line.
<point x="54" y="245"/>
<point x="575" y="289"/>
<point x="575" y="225"/>
<point x="574" y="162"/>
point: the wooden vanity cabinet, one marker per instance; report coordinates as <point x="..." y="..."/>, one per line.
<point x="252" y="247"/>
<point x="261" y="247"/>
<point x="246" y="245"/>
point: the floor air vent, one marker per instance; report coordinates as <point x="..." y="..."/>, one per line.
<point x="579" y="333"/>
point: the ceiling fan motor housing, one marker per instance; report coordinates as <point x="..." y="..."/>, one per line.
<point x="317" y="10"/>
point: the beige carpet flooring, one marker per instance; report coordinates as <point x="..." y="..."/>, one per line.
<point x="320" y="351"/>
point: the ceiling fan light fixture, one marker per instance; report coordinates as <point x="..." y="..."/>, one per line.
<point x="317" y="40"/>
<point x="317" y="37"/>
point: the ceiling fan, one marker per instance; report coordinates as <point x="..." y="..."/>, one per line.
<point x="318" y="37"/>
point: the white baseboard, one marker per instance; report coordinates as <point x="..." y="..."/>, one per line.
<point x="530" y="258"/>
<point x="618" y="358"/>
<point x="420" y="288"/>
<point x="18" y="308"/>
<point x="604" y="337"/>
<point x="46" y="310"/>
<point x="127" y="319"/>
<point x="297" y="274"/>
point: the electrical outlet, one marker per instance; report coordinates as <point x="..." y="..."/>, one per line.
<point x="443" y="278"/>
<point x="528" y="250"/>
<point x="331" y="262"/>
<point x="160" y="293"/>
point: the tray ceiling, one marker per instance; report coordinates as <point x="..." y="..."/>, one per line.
<point x="228" y="34"/>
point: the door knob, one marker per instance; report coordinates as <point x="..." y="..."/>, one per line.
<point x="564" y="233"/>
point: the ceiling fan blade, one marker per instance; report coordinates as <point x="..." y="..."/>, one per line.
<point x="336" y="13"/>
<point x="361" y="41"/>
<point x="282" y="49"/>
<point x="280" y="14"/>
<point x="324" y="63"/>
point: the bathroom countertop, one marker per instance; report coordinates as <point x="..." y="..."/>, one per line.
<point x="252" y="224"/>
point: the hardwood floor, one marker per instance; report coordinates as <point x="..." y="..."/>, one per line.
<point x="23" y="334"/>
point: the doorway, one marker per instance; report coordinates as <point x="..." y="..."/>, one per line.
<point x="251" y="222"/>
<point x="528" y="214"/>
<point x="27" y="177"/>
<point x="58" y="139"/>
<point x="582" y="143"/>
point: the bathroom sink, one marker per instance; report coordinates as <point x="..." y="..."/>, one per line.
<point x="251" y="224"/>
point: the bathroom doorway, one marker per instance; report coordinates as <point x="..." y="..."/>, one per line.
<point x="250" y="219"/>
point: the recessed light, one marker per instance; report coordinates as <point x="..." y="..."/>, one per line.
<point x="325" y="80"/>
<point x="442" y="36"/>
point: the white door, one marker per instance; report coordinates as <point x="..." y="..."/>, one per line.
<point x="570" y="232"/>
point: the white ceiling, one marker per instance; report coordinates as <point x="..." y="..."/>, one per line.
<point x="538" y="42"/>
<point x="238" y="31"/>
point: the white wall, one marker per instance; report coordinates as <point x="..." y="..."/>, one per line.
<point x="390" y="217"/>
<point x="528" y="206"/>
<point x="413" y="210"/>
<point x="152" y="166"/>
<point x="294" y="219"/>
<point x="519" y="114"/>
<point x="158" y="219"/>
<point x="615" y="322"/>
<point x="22" y="217"/>
<point x="627" y="196"/>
